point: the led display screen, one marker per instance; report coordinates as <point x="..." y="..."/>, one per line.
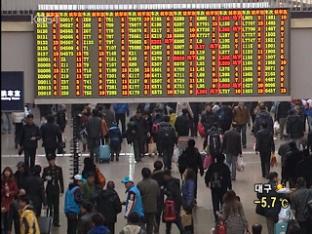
<point x="162" y="53"/>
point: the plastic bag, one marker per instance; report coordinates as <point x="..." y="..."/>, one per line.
<point x="273" y="161"/>
<point x="240" y="164"/>
<point x="285" y="214"/>
<point x="176" y="154"/>
<point x="207" y="161"/>
<point x="276" y="127"/>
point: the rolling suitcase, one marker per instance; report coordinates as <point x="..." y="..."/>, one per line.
<point x="104" y="154"/>
<point x="280" y="228"/>
<point x="45" y="224"/>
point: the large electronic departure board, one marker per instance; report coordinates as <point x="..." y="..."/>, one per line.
<point x="162" y="53"/>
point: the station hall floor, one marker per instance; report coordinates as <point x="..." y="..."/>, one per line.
<point x="203" y="215"/>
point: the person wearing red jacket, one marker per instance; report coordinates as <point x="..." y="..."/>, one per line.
<point x="8" y="192"/>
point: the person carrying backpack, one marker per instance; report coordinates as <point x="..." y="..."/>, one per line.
<point x="115" y="140"/>
<point x="218" y="178"/>
<point x="214" y="142"/>
<point x="166" y="140"/>
<point x="262" y="117"/>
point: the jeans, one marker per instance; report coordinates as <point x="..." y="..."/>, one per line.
<point x="15" y="216"/>
<point x="217" y="196"/>
<point x="265" y="158"/>
<point x="151" y="224"/>
<point x="231" y="161"/>
<point x="122" y="119"/>
<point x="242" y="129"/>
<point x="178" y="223"/>
<point x="6" y="221"/>
<point x="72" y="223"/>
<point x="167" y="156"/>
<point x="30" y="157"/>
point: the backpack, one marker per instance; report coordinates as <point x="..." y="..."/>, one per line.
<point x="167" y="134"/>
<point x="214" y="143"/>
<point x="155" y="128"/>
<point x="114" y="136"/>
<point x="169" y="214"/>
<point x="71" y="205"/>
<point x="216" y="180"/>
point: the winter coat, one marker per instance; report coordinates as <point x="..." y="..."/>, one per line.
<point x="241" y="115"/>
<point x="282" y="110"/>
<point x="191" y="158"/>
<point x="121" y="108"/>
<point x="28" y="222"/>
<point x="7" y="197"/>
<point x="223" y="173"/>
<point x="235" y="219"/>
<point x="51" y="135"/>
<point x="293" y="157"/>
<point x="85" y="223"/>
<point x="35" y="191"/>
<point x="295" y="126"/>
<point x="265" y="141"/>
<point x="150" y="193"/>
<point x="263" y="117"/>
<point x="28" y="132"/>
<point x="188" y="188"/>
<point x="182" y="125"/>
<point x="173" y="192"/>
<point x="108" y="204"/>
<point x="232" y="142"/>
<point x="209" y="119"/>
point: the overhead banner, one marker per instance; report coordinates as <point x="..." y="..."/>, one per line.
<point x="162" y="53"/>
<point x="12" y="91"/>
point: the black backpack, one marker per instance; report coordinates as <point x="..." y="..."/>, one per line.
<point x="167" y="135"/>
<point x="214" y="143"/>
<point x="216" y="180"/>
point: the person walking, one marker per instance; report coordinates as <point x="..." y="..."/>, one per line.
<point x="53" y="175"/>
<point x="191" y="159"/>
<point x="35" y="190"/>
<point x="18" y="121"/>
<point x="72" y="204"/>
<point x="209" y="120"/>
<point x="108" y="115"/>
<point x="28" y="220"/>
<point x="158" y="175"/>
<point x="29" y="141"/>
<point x="173" y="193"/>
<point x="232" y="147"/>
<point x="225" y="116"/>
<point x="89" y="189"/>
<point x="218" y="178"/>
<point x="150" y="193"/>
<point x="109" y="205"/>
<point x="266" y="147"/>
<point x="295" y="126"/>
<point x="298" y="201"/>
<point x="303" y="168"/>
<point x="136" y="133"/>
<point x="121" y="110"/>
<point x="241" y="117"/>
<point x="263" y="116"/>
<point x="233" y="214"/>
<point x="94" y="131"/>
<point x="115" y="140"/>
<point x="188" y="196"/>
<point x="51" y="136"/>
<point x="293" y="157"/>
<point x="134" y="201"/>
<point x="283" y="109"/>
<point x="9" y="190"/>
<point x="182" y="127"/>
<point x="167" y="138"/>
<point x="196" y="108"/>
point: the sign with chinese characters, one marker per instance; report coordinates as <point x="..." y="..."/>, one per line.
<point x="12" y="91"/>
<point x="162" y="53"/>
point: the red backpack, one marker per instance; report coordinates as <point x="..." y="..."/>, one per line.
<point x="169" y="211"/>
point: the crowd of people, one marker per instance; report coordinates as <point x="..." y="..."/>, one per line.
<point x="92" y="205"/>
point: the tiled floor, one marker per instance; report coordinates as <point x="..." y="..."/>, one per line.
<point x="244" y="185"/>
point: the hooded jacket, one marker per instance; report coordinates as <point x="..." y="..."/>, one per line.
<point x="28" y="221"/>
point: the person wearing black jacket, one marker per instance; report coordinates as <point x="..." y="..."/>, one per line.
<point x="35" y="189"/>
<point x="51" y="136"/>
<point x="173" y="192"/>
<point x="53" y="175"/>
<point x="232" y="147"/>
<point x="265" y="146"/>
<point x="295" y="126"/>
<point x="209" y="120"/>
<point x="137" y="133"/>
<point x="29" y="141"/>
<point x="182" y="124"/>
<point x="282" y="151"/>
<point x="191" y="159"/>
<point x="218" y="178"/>
<point x="283" y="109"/>
<point x="270" y="212"/>
<point x="158" y="175"/>
<point x="109" y="205"/>
<point x="196" y="109"/>
<point x="293" y="157"/>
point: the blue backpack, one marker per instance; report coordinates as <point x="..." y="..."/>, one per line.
<point x="115" y="137"/>
<point x="70" y="205"/>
